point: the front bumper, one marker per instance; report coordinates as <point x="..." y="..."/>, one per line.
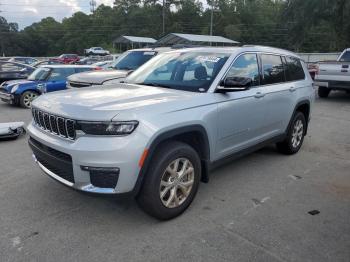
<point x="66" y="161"/>
<point x="6" y="97"/>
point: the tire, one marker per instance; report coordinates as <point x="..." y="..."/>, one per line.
<point x="295" y="136"/>
<point x="323" y="92"/>
<point x="166" y="157"/>
<point x="27" y="98"/>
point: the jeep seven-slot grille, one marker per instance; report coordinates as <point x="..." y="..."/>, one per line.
<point x="54" y="124"/>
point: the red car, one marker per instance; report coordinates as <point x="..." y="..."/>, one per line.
<point x="67" y="58"/>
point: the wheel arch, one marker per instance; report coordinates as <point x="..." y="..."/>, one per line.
<point x="194" y="135"/>
<point x="303" y="107"/>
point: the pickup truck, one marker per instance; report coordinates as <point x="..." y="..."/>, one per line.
<point x="44" y="79"/>
<point x="96" y="51"/>
<point x="334" y="75"/>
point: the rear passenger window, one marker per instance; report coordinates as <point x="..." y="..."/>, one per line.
<point x="272" y="69"/>
<point x="294" y="69"/>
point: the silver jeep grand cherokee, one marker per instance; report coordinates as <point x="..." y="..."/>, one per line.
<point x="178" y="116"/>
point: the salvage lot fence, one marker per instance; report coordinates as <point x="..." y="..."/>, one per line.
<point x="318" y="57"/>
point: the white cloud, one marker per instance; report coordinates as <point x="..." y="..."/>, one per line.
<point x="26" y="12"/>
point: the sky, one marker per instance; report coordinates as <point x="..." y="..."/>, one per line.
<point x="26" y="12"/>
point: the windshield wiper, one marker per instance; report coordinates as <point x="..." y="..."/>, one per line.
<point x="153" y="84"/>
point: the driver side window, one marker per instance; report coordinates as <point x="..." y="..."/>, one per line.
<point x="246" y="66"/>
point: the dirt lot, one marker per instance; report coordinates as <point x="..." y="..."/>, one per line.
<point x="255" y="209"/>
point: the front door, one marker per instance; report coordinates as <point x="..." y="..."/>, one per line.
<point x="241" y="114"/>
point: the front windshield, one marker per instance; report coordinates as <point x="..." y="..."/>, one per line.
<point x="39" y="74"/>
<point x="189" y="71"/>
<point x="133" y="59"/>
<point x="345" y="57"/>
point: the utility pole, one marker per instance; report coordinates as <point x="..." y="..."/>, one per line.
<point x="211" y="19"/>
<point x="163" y="17"/>
<point x="92" y="6"/>
<point x="212" y="16"/>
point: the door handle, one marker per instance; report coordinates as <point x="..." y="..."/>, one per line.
<point x="259" y="95"/>
<point x="292" y="89"/>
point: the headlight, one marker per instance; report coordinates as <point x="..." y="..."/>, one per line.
<point x="107" y="128"/>
<point x="14" y="89"/>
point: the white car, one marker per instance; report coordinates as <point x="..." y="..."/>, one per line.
<point x="96" y="51"/>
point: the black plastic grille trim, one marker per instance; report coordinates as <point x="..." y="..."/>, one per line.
<point x="54" y="124"/>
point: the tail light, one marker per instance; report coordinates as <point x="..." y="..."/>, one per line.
<point x="98" y="68"/>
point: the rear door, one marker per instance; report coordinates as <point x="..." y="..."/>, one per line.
<point x="280" y="83"/>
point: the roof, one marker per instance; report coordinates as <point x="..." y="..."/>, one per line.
<point x="176" y="38"/>
<point x="241" y="49"/>
<point x="134" y="39"/>
<point x="68" y="66"/>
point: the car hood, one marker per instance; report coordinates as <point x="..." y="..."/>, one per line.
<point x="104" y="103"/>
<point x="97" y="77"/>
<point x="8" y="85"/>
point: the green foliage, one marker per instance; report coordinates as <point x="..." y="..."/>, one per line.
<point x="299" y="25"/>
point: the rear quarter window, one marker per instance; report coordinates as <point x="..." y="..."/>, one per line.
<point x="294" y="69"/>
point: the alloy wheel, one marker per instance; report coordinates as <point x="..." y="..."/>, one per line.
<point x="176" y="183"/>
<point x="28" y="98"/>
<point x="298" y="132"/>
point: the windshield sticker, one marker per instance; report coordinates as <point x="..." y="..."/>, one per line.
<point x="213" y="59"/>
<point x="149" y="53"/>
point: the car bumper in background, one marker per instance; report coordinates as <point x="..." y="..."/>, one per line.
<point x="341" y="85"/>
<point x="6" y="97"/>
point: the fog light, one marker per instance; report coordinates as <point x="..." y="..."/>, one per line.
<point x="103" y="177"/>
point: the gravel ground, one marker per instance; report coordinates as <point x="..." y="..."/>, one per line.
<point x="254" y="209"/>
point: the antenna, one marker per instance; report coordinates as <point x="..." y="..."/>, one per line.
<point x="92" y="6"/>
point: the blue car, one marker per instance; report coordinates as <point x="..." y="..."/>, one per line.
<point x="44" y="79"/>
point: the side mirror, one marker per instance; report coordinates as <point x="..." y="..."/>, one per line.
<point x="234" y="84"/>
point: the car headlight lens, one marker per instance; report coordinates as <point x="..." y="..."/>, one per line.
<point x="119" y="128"/>
<point x="14" y="89"/>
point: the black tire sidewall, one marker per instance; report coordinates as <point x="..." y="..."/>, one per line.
<point x="149" y="197"/>
<point x="298" y="116"/>
<point x="323" y="92"/>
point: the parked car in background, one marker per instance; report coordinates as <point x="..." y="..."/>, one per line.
<point x="23" y="60"/>
<point x="104" y="64"/>
<point x="176" y="117"/>
<point x="44" y="79"/>
<point x="334" y="75"/>
<point x="14" y="70"/>
<point x="67" y="58"/>
<point x="124" y="65"/>
<point x="96" y="51"/>
<point x="46" y="62"/>
<point x="87" y="61"/>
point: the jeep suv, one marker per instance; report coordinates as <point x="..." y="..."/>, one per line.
<point x="178" y="116"/>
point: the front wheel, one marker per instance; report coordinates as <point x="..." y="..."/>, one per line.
<point x="171" y="182"/>
<point x="295" y="136"/>
<point x="323" y="92"/>
<point x="27" y="99"/>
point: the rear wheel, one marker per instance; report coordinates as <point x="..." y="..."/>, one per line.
<point x="27" y="99"/>
<point x="171" y="182"/>
<point x="295" y="136"/>
<point x="323" y="92"/>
